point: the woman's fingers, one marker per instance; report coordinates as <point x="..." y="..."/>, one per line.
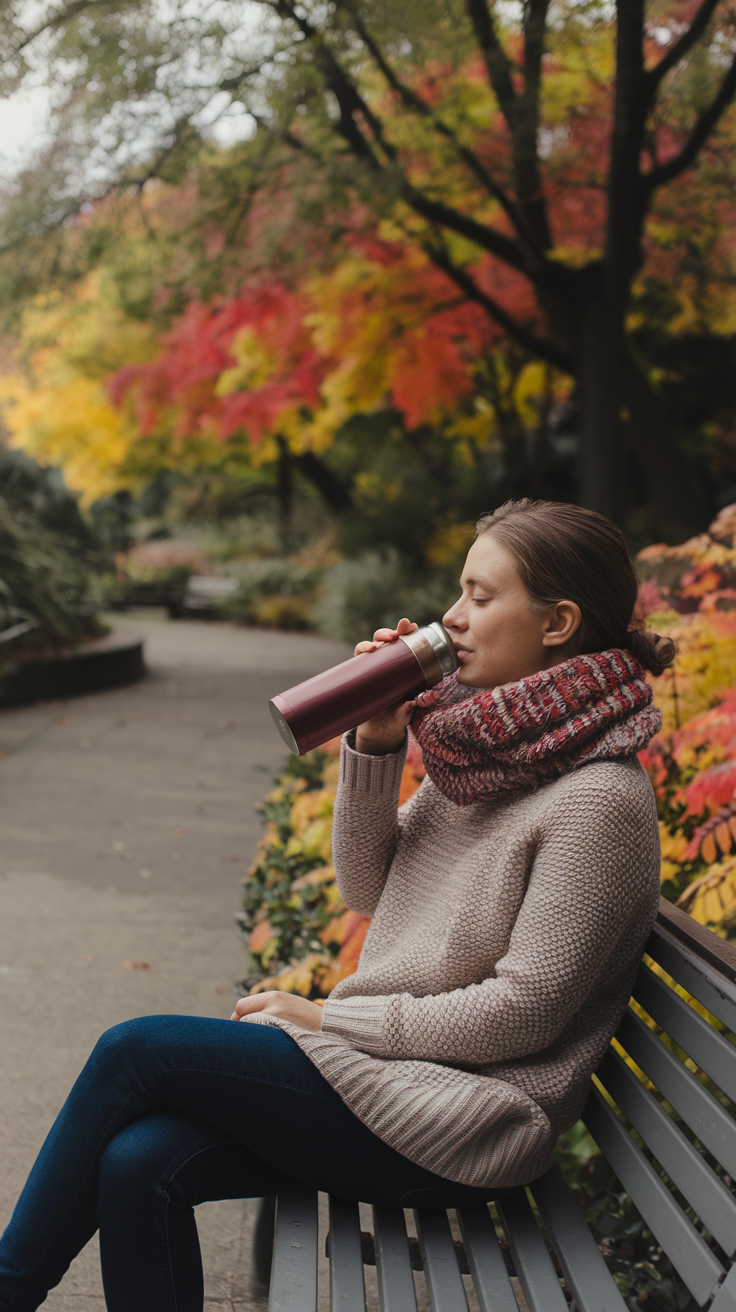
<point x="382" y="636"/>
<point x="427" y="698"/>
<point x="286" y="1005"/>
<point x="244" y="1006"/>
<point x="405" y="626"/>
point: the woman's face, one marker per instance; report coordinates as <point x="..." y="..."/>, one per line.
<point x="497" y="635"/>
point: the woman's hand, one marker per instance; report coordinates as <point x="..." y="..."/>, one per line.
<point x="385" y="733"/>
<point x="285" y="1005"/>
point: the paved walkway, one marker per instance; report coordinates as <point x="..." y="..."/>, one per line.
<point x="126" y="824"/>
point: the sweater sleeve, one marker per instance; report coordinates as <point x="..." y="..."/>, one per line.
<point x="594" y="881"/>
<point x="366" y="825"/>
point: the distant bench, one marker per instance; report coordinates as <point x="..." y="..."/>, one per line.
<point x="201" y="596"/>
<point x="702" y="1251"/>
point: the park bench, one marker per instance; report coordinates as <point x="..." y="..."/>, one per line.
<point x="203" y="592"/>
<point x="561" y="1260"/>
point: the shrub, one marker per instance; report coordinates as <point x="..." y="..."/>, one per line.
<point x="643" y="1273"/>
<point x="48" y="579"/>
<point x="276" y="593"/>
<point x="300" y="935"/>
<point x="291" y="902"/>
<point x="692" y="763"/>
<point x="49" y="559"/>
<point x="376" y="589"/>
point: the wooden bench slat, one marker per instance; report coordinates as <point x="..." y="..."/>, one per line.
<point x="708" y="1195"/>
<point x="347" y="1284"/>
<point x="534" y="1266"/>
<point x="697" y="1107"/>
<point x="725" y="1299"/>
<point x="393" y="1263"/>
<point x="687" y="1250"/>
<point x="485" y="1260"/>
<point x="715" y="992"/>
<point x="294" y="1267"/>
<point x="711" y="1052"/>
<point x="586" y="1274"/>
<point x="439" y="1259"/>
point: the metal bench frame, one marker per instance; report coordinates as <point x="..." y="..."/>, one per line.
<point x="702" y="1254"/>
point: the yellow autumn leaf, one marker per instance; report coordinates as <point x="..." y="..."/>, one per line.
<point x="711" y="900"/>
<point x="310" y="806"/>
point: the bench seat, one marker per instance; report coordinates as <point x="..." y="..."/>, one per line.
<point x="670" y="1140"/>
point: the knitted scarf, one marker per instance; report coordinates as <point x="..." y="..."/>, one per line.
<point x="478" y="743"/>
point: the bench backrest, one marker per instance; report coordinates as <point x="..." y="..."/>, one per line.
<point x="687" y="1129"/>
<point x="681" y="1184"/>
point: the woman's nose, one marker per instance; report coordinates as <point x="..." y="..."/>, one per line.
<point x="452" y="619"/>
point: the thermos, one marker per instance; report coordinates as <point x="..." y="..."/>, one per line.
<point x="351" y="693"/>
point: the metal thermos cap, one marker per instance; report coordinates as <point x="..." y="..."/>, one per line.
<point x="434" y="649"/>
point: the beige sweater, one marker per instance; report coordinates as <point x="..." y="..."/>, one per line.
<point x="503" y="948"/>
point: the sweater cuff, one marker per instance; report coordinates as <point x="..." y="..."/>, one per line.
<point x="370" y="774"/>
<point x="357" y="1020"/>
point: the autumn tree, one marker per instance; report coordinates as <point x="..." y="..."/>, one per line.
<point x="542" y="145"/>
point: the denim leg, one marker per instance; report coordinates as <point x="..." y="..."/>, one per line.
<point x="151" y="1176"/>
<point x="196" y="1065"/>
<point x="252" y="1083"/>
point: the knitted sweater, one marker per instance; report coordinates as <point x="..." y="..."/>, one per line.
<point x="500" y="959"/>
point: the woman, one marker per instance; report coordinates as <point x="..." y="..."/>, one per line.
<point x="511" y="899"/>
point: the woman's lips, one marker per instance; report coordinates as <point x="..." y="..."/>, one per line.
<point x="462" y="652"/>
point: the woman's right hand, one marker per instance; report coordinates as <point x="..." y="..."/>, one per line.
<point x="385" y="733"/>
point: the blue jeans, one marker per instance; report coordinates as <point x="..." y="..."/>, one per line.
<point x="171" y="1111"/>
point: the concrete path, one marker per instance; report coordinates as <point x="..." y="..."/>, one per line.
<point x="126" y="824"/>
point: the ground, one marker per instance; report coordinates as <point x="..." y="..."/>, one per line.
<point x="127" y="822"/>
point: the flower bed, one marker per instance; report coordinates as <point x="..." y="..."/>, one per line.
<point x="689" y="594"/>
<point x="301" y="936"/>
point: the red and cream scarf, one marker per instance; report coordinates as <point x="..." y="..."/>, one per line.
<point x="478" y="743"/>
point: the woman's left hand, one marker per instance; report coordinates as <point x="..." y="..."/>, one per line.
<point x="284" y="1005"/>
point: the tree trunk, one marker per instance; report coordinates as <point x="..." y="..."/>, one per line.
<point x="285" y="489"/>
<point x="675" y="493"/>
<point x="539" y="446"/>
<point x="599" y="350"/>
<point x="334" y="491"/>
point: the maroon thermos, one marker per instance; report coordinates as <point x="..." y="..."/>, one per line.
<point x="349" y="694"/>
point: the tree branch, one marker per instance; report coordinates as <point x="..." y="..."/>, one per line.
<point x="675" y="53"/>
<point x="56" y="20"/>
<point x="413" y="102"/>
<point x="288" y="137"/>
<point x="529" y="189"/>
<point x="698" y="137"/>
<point x="350" y="101"/>
<point x="234" y="83"/>
<point x="515" y="253"/>
<point x="489" y="239"/>
<point x="520" y="111"/>
<point x="541" y="347"/>
<point x="497" y="65"/>
<point x="343" y="88"/>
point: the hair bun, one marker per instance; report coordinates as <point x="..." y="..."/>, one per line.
<point x="655" y="653"/>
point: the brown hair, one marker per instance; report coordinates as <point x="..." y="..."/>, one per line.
<point x="566" y="553"/>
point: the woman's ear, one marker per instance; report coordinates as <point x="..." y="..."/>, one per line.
<point x="561" y="623"/>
